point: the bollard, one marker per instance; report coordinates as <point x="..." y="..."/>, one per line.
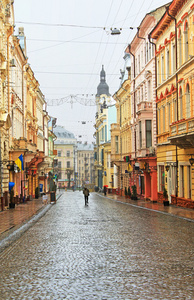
<point x="2" y="204"/>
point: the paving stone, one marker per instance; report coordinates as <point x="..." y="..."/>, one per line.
<point x="107" y="250"/>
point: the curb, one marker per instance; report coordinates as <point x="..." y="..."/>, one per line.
<point x="16" y="234"/>
<point x="147" y="208"/>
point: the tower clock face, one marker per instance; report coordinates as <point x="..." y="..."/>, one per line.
<point x="103" y="77"/>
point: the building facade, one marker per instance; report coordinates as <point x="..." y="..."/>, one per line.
<point x="102" y="126"/>
<point x="175" y="99"/>
<point x="121" y="136"/>
<point x="23" y="118"/>
<point x="143" y="99"/>
<point x="85" y="165"/>
<point x="65" y="167"/>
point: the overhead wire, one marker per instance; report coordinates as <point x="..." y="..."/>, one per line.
<point x="130" y="31"/>
<point x="100" y="43"/>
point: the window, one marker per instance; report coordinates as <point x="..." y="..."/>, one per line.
<point x="174" y="58"/>
<point x="175" y="110"/>
<point x="161" y="179"/>
<point x="169" y="114"/>
<point x="188" y="182"/>
<point x="148" y="133"/>
<point x="140" y="135"/>
<point x="158" y="71"/>
<point x="68" y="164"/>
<point x="59" y="164"/>
<point x="117" y="144"/>
<point x="159" y="122"/>
<point x="164" y="117"/>
<point x="150" y="50"/>
<point x="142" y="59"/>
<point x="188" y="111"/>
<point x="181" y="103"/>
<point x="59" y="153"/>
<point x="163" y="77"/>
<point x="186" y="42"/>
<point x="149" y="91"/>
<point x="182" y="191"/>
<point x="147" y="52"/>
<point x="167" y="63"/>
<point x="142" y="94"/>
<point x="139" y="63"/>
<point x="68" y="153"/>
<point x="180" y="48"/>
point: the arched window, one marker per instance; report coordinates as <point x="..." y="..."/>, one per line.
<point x="181" y="104"/>
<point x="186" y="42"/>
<point x="180" y="42"/>
<point x="188" y="106"/>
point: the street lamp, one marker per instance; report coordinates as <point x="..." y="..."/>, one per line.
<point x="191" y="160"/>
<point x="167" y="168"/>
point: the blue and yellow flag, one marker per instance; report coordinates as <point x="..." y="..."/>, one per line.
<point x="20" y="162"/>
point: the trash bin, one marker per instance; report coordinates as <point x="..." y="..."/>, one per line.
<point x="53" y="196"/>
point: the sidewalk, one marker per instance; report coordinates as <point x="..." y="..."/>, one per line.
<point x="12" y="219"/>
<point x="171" y="209"/>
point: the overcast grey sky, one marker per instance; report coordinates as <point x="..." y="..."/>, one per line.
<point x="68" y="51"/>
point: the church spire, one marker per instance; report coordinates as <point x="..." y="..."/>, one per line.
<point x="103" y="87"/>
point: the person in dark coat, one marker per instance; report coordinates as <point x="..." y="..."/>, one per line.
<point x="86" y="194"/>
<point x="105" y="190"/>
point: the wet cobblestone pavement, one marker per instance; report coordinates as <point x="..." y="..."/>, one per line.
<point x="106" y="250"/>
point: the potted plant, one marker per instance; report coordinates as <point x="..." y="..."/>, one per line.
<point x="165" y="195"/>
<point x="37" y="192"/>
<point x="129" y="192"/>
<point x="134" y="192"/>
<point x="11" y="204"/>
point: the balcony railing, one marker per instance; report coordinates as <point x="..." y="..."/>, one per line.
<point x="182" y="127"/>
<point x="182" y="133"/>
<point x="144" y="106"/>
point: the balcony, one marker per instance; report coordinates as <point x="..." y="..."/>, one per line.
<point x="182" y="133"/>
<point x="144" y="106"/>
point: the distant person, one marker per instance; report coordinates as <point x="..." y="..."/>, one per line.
<point x="105" y="190"/>
<point x="86" y="194"/>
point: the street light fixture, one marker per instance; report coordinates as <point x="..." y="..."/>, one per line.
<point x="167" y="168"/>
<point x="191" y="160"/>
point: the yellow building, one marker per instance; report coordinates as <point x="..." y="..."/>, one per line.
<point x="85" y="165"/>
<point x="105" y="115"/>
<point x="175" y="99"/>
<point x="121" y="143"/>
<point x="6" y="31"/>
<point x="66" y="146"/>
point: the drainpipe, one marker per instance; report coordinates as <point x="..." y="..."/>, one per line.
<point x="149" y="38"/>
<point x="176" y="64"/>
<point x="134" y="108"/>
<point x="139" y="37"/>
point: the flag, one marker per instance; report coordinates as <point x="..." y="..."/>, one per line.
<point x="20" y="162"/>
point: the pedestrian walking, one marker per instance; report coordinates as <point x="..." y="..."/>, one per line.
<point x="86" y="194"/>
<point x="104" y="190"/>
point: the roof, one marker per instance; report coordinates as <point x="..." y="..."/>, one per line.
<point x="62" y="133"/>
<point x="85" y="147"/>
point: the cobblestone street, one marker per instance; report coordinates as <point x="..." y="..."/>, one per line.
<point x="106" y="250"/>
